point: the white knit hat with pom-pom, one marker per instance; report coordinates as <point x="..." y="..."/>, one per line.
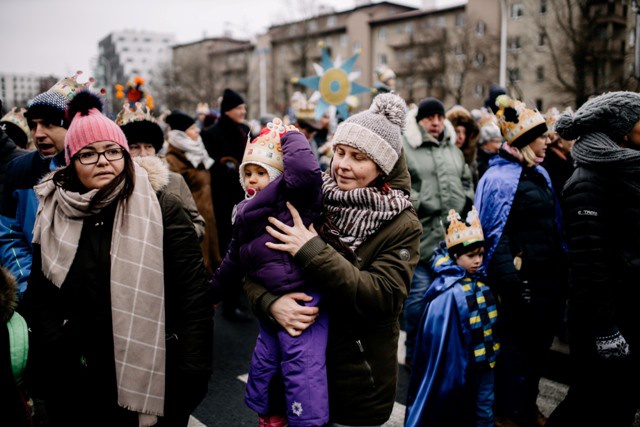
<point x="377" y="131"/>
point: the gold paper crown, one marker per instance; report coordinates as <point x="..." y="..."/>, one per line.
<point x="516" y="120"/>
<point x="128" y="115"/>
<point x="69" y="86"/>
<point x="463" y="233"/>
<point x="266" y="148"/>
<point x="385" y="74"/>
<point x="17" y="117"/>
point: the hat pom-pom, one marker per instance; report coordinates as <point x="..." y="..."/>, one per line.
<point x="565" y="127"/>
<point x="392" y="107"/>
<point x="82" y="102"/>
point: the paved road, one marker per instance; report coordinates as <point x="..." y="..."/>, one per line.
<point x="233" y="345"/>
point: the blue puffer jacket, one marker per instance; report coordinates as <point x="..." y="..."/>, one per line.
<point x="19" y="207"/>
<point x="300" y="184"/>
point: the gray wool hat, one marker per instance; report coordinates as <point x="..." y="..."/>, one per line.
<point x="377" y="131"/>
<point x="613" y="113"/>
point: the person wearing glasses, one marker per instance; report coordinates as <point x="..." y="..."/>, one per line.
<point x="117" y="303"/>
<point x="47" y="120"/>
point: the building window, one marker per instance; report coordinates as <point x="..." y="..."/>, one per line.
<point x="479" y="60"/>
<point x="344" y="40"/>
<point x="542" y="39"/>
<point x="313" y="25"/>
<point x="382" y="34"/>
<point x="408" y="54"/>
<point x="539" y="104"/>
<point x="540" y="74"/>
<point x="517" y="11"/>
<point x="513" y="43"/>
<point x="543" y="7"/>
<point x="458" y="49"/>
<point x="514" y="75"/>
<point x="331" y="21"/>
<point x="478" y="91"/>
<point x="461" y="20"/>
<point x="457" y="80"/>
<point x="382" y="59"/>
<point x="408" y="28"/>
<point x="357" y="46"/>
<point x="481" y="28"/>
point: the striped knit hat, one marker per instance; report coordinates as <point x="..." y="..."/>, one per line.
<point x="89" y="125"/>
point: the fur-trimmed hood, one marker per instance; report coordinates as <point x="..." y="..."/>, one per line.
<point x="460" y="116"/>
<point x="8" y="295"/>
<point x="415" y="137"/>
<point x="157" y="170"/>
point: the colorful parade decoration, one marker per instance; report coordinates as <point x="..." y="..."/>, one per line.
<point x="134" y="92"/>
<point x="334" y="84"/>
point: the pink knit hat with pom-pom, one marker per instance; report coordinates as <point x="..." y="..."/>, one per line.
<point x="89" y="125"/>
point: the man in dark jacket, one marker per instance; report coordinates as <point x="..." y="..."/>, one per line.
<point x="47" y="120"/>
<point x="225" y="142"/>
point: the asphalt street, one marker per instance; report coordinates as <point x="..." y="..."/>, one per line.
<point x="233" y="346"/>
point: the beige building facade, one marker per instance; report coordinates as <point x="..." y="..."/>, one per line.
<point x="451" y="53"/>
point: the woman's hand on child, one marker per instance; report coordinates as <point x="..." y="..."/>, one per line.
<point x="292" y="237"/>
<point x="289" y="128"/>
<point x="292" y="316"/>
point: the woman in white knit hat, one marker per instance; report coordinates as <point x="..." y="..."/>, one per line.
<point x="118" y="307"/>
<point x="362" y="258"/>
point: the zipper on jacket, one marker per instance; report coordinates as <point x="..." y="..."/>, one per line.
<point x="366" y="363"/>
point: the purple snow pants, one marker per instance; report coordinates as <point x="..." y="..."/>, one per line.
<point x="300" y="361"/>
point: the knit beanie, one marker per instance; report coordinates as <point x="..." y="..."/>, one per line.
<point x="613" y="113"/>
<point x="230" y="100"/>
<point x="265" y="150"/>
<point x="520" y="125"/>
<point x="495" y="90"/>
<point x="139" y="126"/>
<point x="178" y="120"/>
<point x="51" y="105"/>
<point x="89" y="125"/>
<point x="429" y="107"/>
<point x="376" y="131"/>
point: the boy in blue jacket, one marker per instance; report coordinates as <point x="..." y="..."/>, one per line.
<point x="452" y="372"/>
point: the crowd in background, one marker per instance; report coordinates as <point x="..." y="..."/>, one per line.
<point x="118" y="238"/>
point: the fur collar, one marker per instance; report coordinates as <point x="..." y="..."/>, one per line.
<point x="415" y="137"/>
<point x="157" y="170"/>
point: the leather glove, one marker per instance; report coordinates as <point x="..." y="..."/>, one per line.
<point x="612" y="346"/>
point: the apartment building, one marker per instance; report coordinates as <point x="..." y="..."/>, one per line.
<point x="17" y="89"/>
<point x="453" y="53"/>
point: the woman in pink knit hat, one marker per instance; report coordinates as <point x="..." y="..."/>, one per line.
<point x="112" y="342"/>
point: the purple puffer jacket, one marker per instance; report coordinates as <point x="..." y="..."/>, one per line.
<point x="301" y="185"/>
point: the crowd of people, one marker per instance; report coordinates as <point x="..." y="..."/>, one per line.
<point x="119" y="238"/>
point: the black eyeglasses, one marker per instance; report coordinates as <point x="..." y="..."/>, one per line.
<point x="92" y="157"/>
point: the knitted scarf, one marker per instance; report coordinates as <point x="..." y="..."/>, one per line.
<point x="137" y="281"/>
<point x="598" y="150"/>
<point x="360" y="212"/>
<point x="194" y="151"/>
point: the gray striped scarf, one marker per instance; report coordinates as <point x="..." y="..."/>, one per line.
<point x="137" y="281"/>
<point x="360" y="212"/>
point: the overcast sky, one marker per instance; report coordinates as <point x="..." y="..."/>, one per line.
<point x="61" y="36"/>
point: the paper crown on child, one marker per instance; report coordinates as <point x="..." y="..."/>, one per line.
<point x="519" y="125"/>
<point x="16" y="117"/>
<point x="265" y="150"/>
<point x="463" y="233"/>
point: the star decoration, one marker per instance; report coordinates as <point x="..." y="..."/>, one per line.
<point x="333" y="83"/>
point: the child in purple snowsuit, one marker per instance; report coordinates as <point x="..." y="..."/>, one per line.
<point x="279" y="167"/>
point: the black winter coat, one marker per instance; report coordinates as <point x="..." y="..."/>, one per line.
<point x="72" y="355"/>
<point x="603" y="235"/>
<point x="8" y="152"/>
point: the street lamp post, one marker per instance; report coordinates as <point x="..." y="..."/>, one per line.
<point x="503" y="43"/>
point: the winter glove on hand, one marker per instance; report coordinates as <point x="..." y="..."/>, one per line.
<point x="231" y="166"/>
<point x="612" y="346"/>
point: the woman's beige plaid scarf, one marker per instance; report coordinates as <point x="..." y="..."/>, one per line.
<point x="137" y="281"/>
